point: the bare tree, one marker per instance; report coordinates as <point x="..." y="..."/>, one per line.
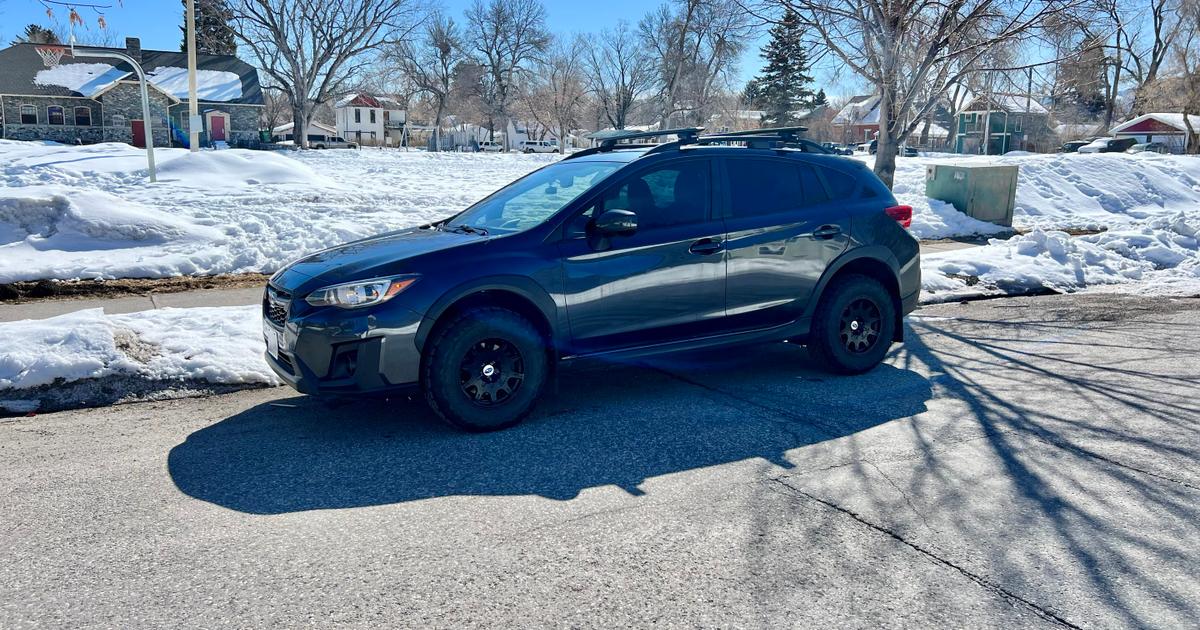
<point x="430" y="63"/>
<point x="555" y="96"/>
<point x="507" y="36"/>
<point x="901" y="47"/>
<point x="619" y="72"/>
<point x="311" y="49"/>
<point x="695" y="44"/>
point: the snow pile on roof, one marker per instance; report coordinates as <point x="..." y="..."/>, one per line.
<point x="87" y="79"/>
<point x="1160" y="256"/>
<point x="1175" y="120"/>
<point x="213" y="345"/>
<point x="211" y="85"/>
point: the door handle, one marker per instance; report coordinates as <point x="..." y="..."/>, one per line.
<point x="706" y="246"/>
<point x="827" y="231"/>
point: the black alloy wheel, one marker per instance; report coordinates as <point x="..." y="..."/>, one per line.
<point x="859" y="325"/>
<point x="491" y="372"/>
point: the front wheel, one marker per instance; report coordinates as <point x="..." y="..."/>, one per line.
<point x="853" y="326"/>
<point x="485" y="370"/>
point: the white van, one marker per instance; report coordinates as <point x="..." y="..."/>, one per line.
<point x="491" y="146"/>
<point x="539" y="146"/>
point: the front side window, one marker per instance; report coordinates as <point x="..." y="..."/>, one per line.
<point x="83" y="116"/>
<point x="28" y="115"/>
<point x="534" y="198"/>
<point x="54" y="115"/>
<point x="669" y="195"/>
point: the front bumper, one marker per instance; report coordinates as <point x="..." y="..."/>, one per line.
<point x="337" y="351"/>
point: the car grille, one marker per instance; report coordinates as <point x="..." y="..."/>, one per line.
<point x="275" y="306"/>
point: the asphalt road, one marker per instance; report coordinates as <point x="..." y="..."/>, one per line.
<point x="1017" y="463"/>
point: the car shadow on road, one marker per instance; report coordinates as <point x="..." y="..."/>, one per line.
<point x="608" y="424"/>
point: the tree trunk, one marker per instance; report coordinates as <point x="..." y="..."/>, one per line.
<point x="437" y="124"/>
<point x="300" y="126"/>
<point x="885" y="153"/>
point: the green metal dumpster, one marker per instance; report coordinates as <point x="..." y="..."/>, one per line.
<point x="987" y="192"/>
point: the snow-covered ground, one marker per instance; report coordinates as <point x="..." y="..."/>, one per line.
<point x="88" y="212"/>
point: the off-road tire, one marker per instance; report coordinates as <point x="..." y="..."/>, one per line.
<point x="443" y="372"/>
<point x="828" y="342"/>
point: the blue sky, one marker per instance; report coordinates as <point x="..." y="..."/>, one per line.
<point x="156" y="22"/>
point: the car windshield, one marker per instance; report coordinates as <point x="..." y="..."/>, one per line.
<point x="532" y="199"/>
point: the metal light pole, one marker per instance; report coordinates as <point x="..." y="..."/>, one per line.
<point x="194" y="123"/>
<point x="137" y="67"/>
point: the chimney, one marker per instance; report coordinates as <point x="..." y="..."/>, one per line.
<point x="133" y="48"/>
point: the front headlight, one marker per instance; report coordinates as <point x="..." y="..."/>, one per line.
<point x="361" y="293"/>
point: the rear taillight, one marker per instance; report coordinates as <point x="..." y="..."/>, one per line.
<point x="902" y="215"/>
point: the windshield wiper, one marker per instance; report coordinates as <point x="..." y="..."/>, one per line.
<point x="467" y="229"/>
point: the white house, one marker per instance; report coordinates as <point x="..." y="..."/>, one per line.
<point x="370" y="120"/>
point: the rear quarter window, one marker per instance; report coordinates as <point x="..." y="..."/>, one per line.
<point x="841" y="185"/>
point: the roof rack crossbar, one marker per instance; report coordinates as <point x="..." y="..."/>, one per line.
<point x="786" y="133"/>
<point x="609" y="139"/>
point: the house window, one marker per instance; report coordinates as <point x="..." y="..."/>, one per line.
<point x="372" y="117"/>
<point x="357" y="115"/>
<point x="28" y="115"/>
<point x="83" y="116"/>
<point x="118" y="120"/>
<point x="1016" y="123"/>
<point x="54" y="115"/>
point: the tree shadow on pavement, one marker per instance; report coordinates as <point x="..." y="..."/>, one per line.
<point x="609" y="424"/>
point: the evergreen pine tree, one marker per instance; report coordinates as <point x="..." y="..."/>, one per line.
<point x="213" y="34"/>
<point x="783" y="87"/>
<point x="37" y="34"/>
<point x="820" y="100"/>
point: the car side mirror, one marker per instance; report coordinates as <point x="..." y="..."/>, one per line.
<point x="616" y="223"/>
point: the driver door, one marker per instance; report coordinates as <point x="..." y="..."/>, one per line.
<point x="663" y="283"/>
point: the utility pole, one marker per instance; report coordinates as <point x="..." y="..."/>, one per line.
<point x="194" y="123"/>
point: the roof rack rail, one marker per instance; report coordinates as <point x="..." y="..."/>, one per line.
<point x="609" y="140"/>
<point x="786" y="134"/>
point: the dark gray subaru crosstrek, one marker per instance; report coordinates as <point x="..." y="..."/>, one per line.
<point x="616" y="250"/>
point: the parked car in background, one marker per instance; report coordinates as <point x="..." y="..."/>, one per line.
<point x="1148" y="147"/>
<point x="323" y="142"/>
<point x="612" y="251"/>
<point x="1073" y="146"/>
<point x="838" y="149"/>
<point x="491" y="146"/>
<point x="1108" y="145"/>
<point x="907" y="151"/>
<point x="539" y="146"/>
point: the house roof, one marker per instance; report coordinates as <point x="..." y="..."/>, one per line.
<point x="220" y="78"/>
<point x="861" y="110"/>
<point x="366" y="100"/>
<point x="289" y="126"/>
<point x="1013" y="103"/>
<point x="1170" y="119"/>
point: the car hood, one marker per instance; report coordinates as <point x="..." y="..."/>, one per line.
<point x="372" y="257"/>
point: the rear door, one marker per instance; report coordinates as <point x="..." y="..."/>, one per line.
<point x="664" y="283"/>
<point x="783" y="227"/>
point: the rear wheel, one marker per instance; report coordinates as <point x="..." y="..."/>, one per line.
<point x="853" y="326"/>
<point x="485" y="370"/>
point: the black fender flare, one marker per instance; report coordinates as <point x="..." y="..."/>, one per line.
<point x="876" y="253"/>
<point x="521" y="286"/>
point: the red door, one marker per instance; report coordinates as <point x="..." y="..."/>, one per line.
<point x="217" y="128"/>
<point x="139" y="133"/>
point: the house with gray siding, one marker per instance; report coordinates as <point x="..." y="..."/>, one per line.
<point x="97" y="99"/>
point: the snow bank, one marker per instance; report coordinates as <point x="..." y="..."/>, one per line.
<point x="1061" y="191"/>
<point x="213" y="345"/>
<point x="53" y="230"/>
<point x="265" y="208"/>
<point x="1161" y="256"/>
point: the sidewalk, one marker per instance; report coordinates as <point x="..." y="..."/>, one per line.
<point x="226" y="297"/>
<point x="132" y="304"/>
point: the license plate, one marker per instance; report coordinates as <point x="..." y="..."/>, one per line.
<point x="273" y="337"/>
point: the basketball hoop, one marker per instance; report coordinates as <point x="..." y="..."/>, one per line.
<point x="51" y="55"/>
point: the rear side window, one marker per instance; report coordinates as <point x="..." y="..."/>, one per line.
<point x="841" y="185"/>
<point x="761" y="187"/>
